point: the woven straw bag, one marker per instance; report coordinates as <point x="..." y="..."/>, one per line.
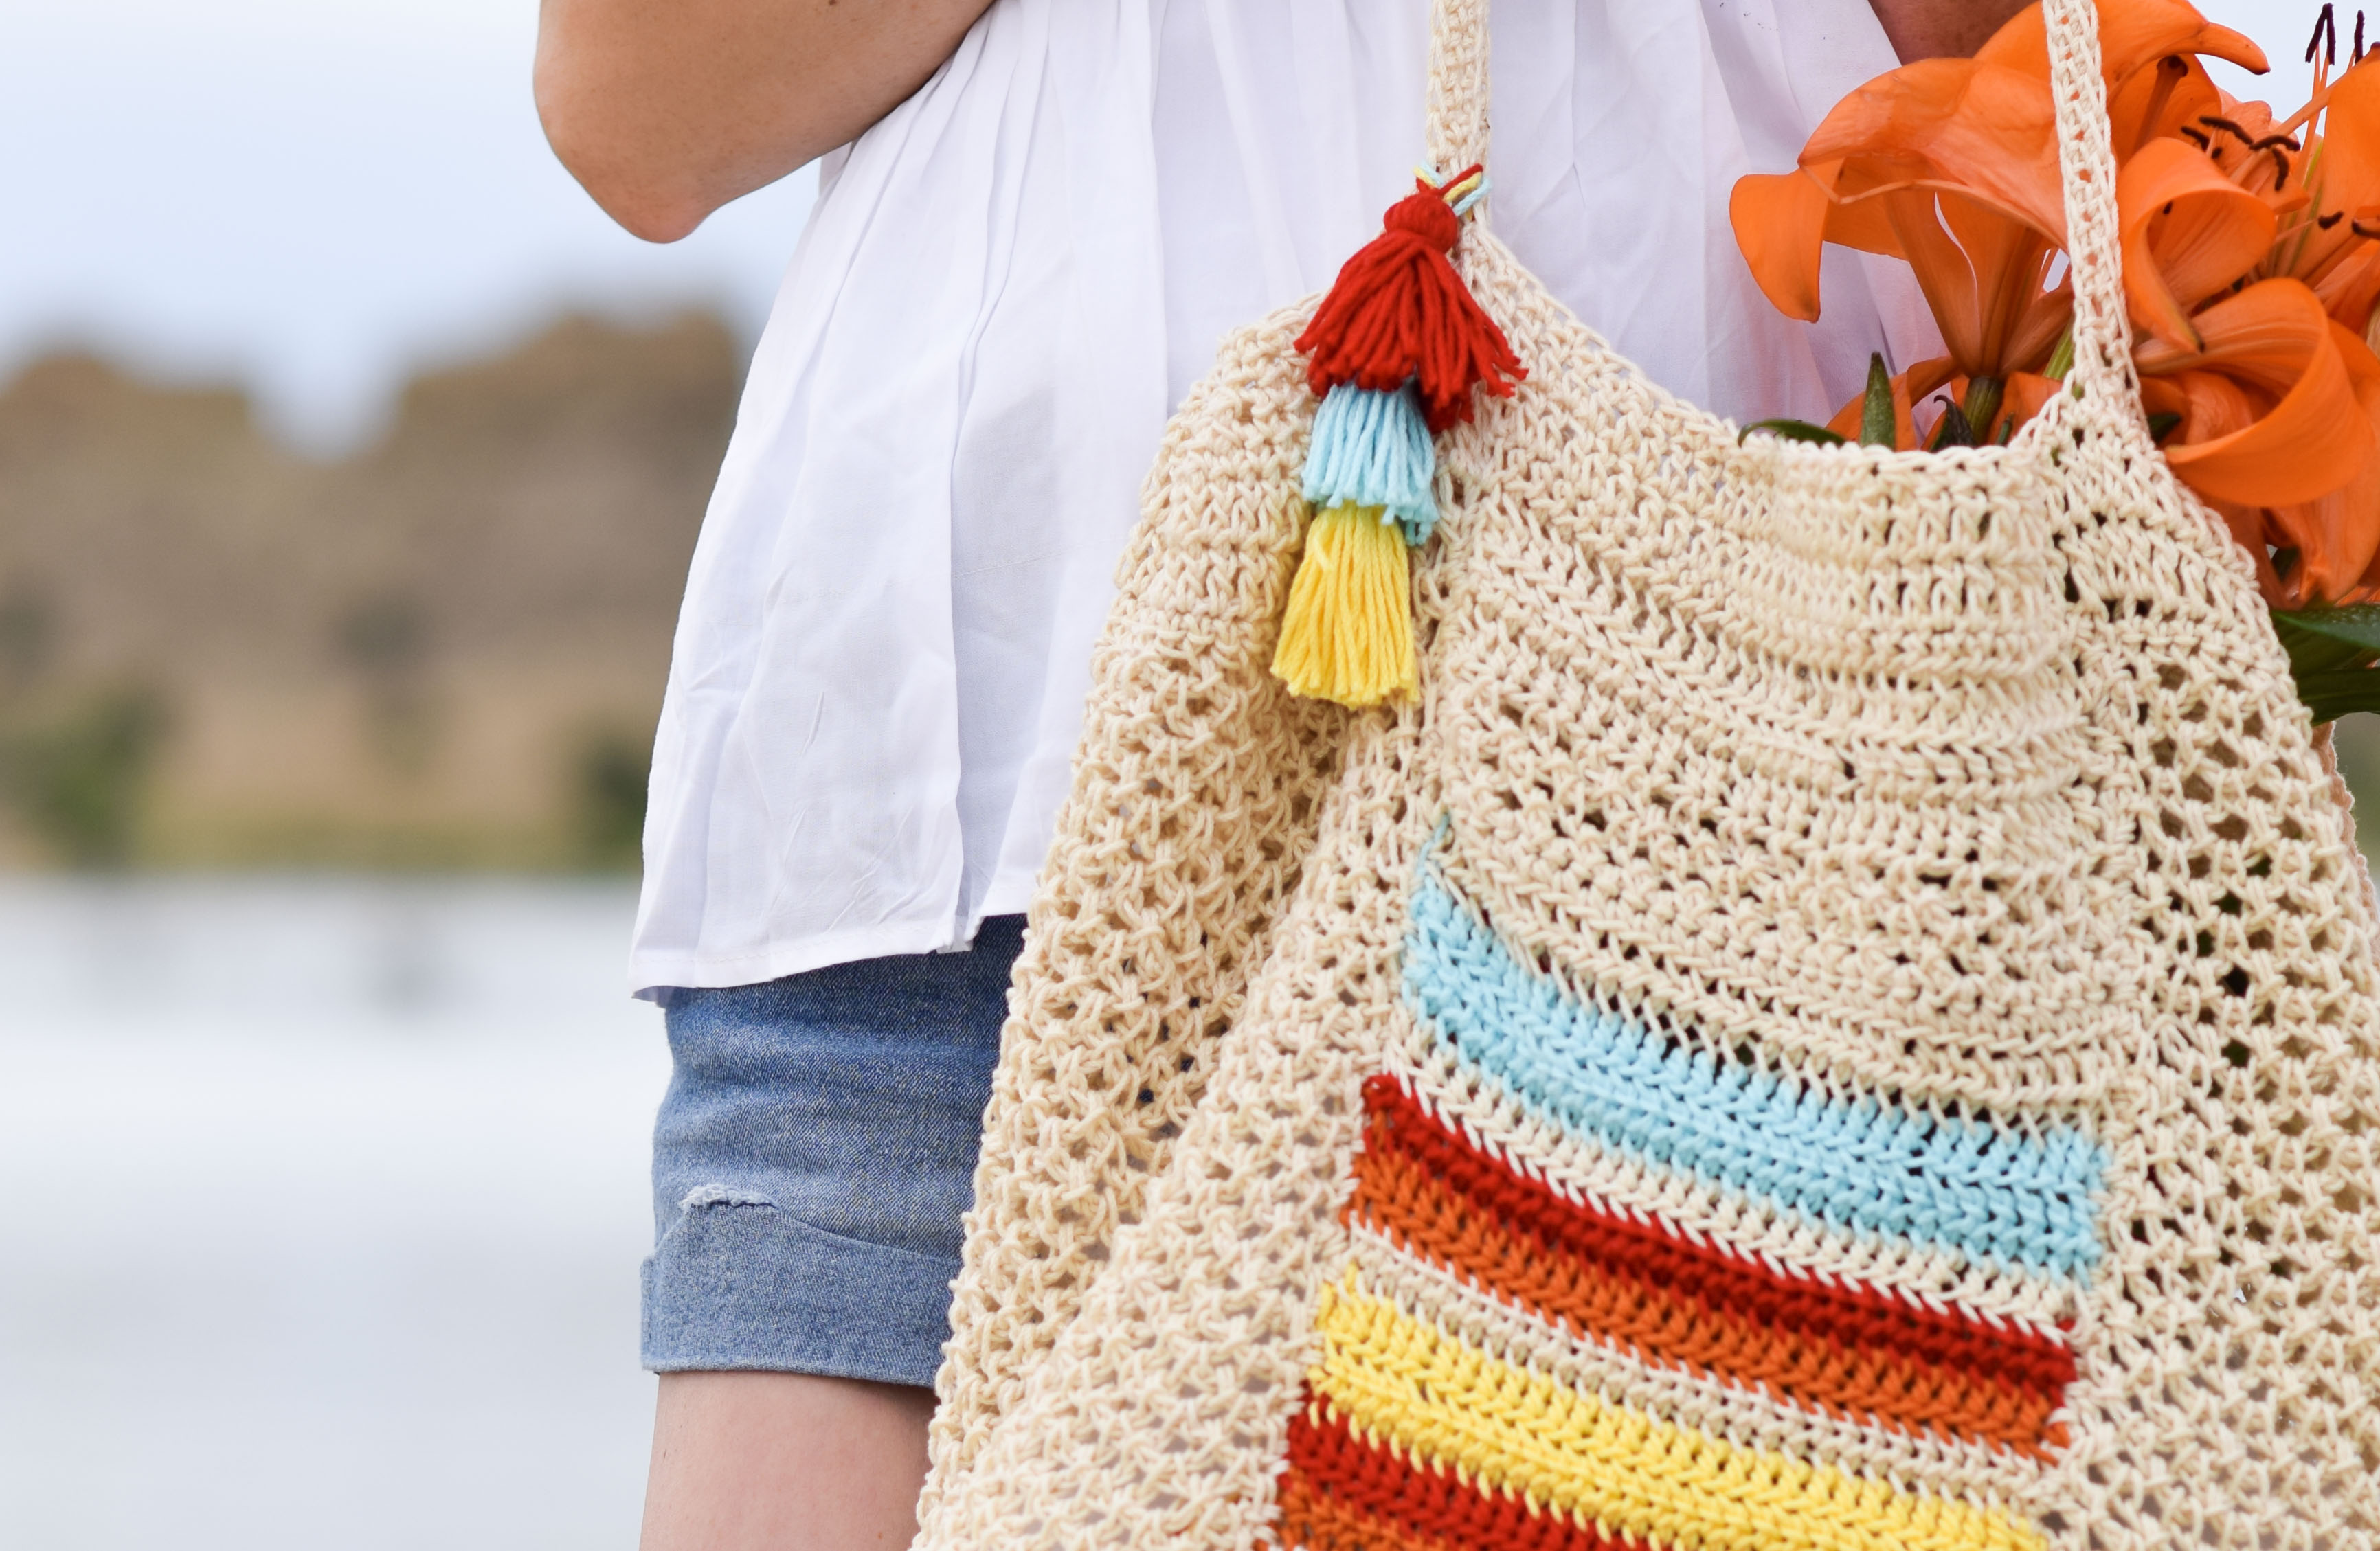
<point x="1841" y="1016"/>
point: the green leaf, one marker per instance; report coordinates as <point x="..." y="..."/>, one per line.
<point x="2332" y="657"/>
<point x="2358" y="624"/>
<point x="1794" y="431"/>
<point x="1953" y="430"/>
<point x="2162" y="424"/>
<point x="2339" y="692"/>
<point x="1877" y="426"/>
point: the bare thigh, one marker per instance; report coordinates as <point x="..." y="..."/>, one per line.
<point x="784" y="1461"/>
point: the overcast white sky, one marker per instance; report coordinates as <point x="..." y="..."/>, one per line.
<point x="317" y="196"/>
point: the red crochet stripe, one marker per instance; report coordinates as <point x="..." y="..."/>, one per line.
<point x="1399" y="310"/>
<point x="1840" y="1346"/>
<point x="1339" y="1492"/>
<point x="1428" y="1219"/>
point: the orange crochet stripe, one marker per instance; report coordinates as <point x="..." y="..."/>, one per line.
<point x="1826" y="1349"/>
<point x="1312" y="1520"/>
<point x="1339" y="1493"/>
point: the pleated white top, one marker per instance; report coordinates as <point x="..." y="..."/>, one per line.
<point x="1005" y="285"/>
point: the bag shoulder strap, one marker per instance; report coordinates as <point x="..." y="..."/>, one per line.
<point x="1455" y="102"/>
<point x="2103" y="337"/>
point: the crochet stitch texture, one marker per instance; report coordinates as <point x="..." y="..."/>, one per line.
<point x="1843" y="1016"/>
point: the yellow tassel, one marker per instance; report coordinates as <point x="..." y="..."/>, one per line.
<point x="1348" y="633"/>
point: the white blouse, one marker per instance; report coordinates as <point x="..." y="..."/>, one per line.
<point x="879" y="672"/>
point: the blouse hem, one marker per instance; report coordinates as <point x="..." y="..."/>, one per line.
<point x="652" y="976"/>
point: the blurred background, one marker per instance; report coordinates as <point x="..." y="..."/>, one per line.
<point x="349" y="464"/>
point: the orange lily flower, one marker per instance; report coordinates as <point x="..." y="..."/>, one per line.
<point x="1948" y="163"/>
<point x="2277" y="348"/>
<point x="2336" y="536"/>
<point x="1980" y="135"/>
<point x="2319" y="174"/>
<point x="2134" y="36"/>
<point x="2249" y="288"/>
<point x="2188" y="232"/>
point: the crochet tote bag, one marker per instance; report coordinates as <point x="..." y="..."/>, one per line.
<point x="1840" y="1016"/>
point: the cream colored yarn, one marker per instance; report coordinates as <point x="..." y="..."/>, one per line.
<point x="1975" y="777"/>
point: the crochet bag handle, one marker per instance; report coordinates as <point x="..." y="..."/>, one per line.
<point x="2102" y="376"/>
<point x="1456" y="103"/>
<point x="1457" y="137"/>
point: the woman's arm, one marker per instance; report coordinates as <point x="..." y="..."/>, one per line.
<point x="665" y="110"/>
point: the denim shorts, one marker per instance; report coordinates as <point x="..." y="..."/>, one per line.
<point x="812" y="1158"/>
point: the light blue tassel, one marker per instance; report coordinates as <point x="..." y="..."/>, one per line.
<point x="1373" y="449"/>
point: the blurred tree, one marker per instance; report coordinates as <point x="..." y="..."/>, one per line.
<point x="76" y="780"/>
<point x="29" y="629"/>
<point x="612" y="771"/>
<point x="386" y="640"/>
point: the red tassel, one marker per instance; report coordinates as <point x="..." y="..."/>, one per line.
<point x="1399" y="310"/>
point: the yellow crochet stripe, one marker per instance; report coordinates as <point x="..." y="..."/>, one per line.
<point x="1444" y="1404"/>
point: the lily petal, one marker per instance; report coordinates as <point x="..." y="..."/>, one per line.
<point x="2337" y="535"/>
<point x="2349" y="289"/>
<point x="1951" y="287"/>
<point x="1989" y="132"/>
<point x="2159" y="101"/>
<point x="2264" y="335"/>
<point x="2210" y="405"/>
<point x="2325" y="247"/>
<point x="1780" y="225"/>
<point x="2023" y="315"/>
<point x="2271" y="336"/>
<point x="2132" y="34"/>
<point x="2025" y="394"/>
<point x="2188" y="232"/>
<point x="2351" y="142"/>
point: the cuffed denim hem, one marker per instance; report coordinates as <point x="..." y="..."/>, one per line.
<point x="738" y="1283"/>
<point x="813" y="1162"/>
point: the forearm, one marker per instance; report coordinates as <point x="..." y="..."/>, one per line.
<point x="665" y="110"/>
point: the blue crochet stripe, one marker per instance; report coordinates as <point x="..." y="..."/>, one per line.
<point x="1372" y="448"/>
<point x="1864" y="1167"/>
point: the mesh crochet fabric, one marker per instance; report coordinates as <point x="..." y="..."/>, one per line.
<point x="1843" y="1017"/>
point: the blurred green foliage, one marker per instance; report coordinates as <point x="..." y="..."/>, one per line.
<point x="76" y="778"/>
<point x="613" y="770"/>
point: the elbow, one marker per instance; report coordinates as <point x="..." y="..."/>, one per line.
<point x="651" y="196"/>
<point x="645" y="207"/>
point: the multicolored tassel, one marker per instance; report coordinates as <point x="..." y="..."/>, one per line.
<point x="1393" y="351"/>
